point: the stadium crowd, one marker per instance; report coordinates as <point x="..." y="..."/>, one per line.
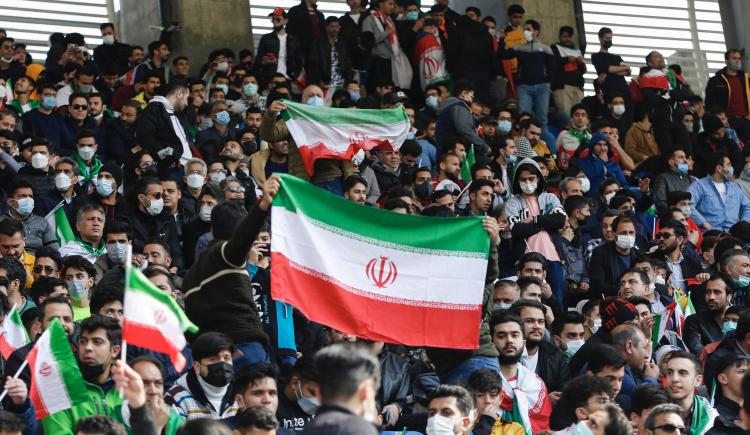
<point x="619" y="277"/>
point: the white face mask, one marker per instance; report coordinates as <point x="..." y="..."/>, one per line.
<point x="608" y="197"/>
<point x="108" y="39"/>
<point x="195" y="181"/>
<point x="86" y="152"/>
<point x="439" y="425"/>
<point x="686" y="210"/>
<point x="528" y="188"/>
<point x="618" y="109"/>
<point x="117" y="252"/>
<point x="625" y="242"/>
<point x="218" y="177"/>
<point x="573" y="346"/>
<point x="585" y="184"/>
<point x="205" y="213"/>
<point x="62" y="182"/>
<point x="659" y="280"/>
<point x="39" y="161"/>
<point x="500" y="306"/>
<point x="156" y="206"/>
<point x="528" y="35"/>
<point x="597" y="325"/>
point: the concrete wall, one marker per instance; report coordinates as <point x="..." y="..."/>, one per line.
<point x="134" y="20"/>
<point x="207" y="25"/>
<point x="551" y="14"/>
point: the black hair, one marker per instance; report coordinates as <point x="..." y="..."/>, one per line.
<point x="566" y="29"/>
<point x="566" y="318"/>
<point x="209" y="344"/>
<point x="10" y="423"/>
<point x="579" y="390"/>
<point x="106" y="295"/>
<point x="225" y="217"/>
<point x="353" y="180"/>
<point x="646" y="396"/>
<point x="342" y="367"/>
<point x="464" y="401"/>
<point x="257" y="417"/>
<point x="252" y="374"/>
<point x="49" y="301"/>
<point x="100" y="425"/>
<point x="504" y="316"/>
<point x="520" y="304"/>
<point x="411" y="147"/>
<point x="603" y="31"/>
<point x="694" y="359"/>
<point x="43" y="287"/>
<point x="80" y="263"/>
<point x="602" y="356"/>
<point x="480" y="183"/>
<point x="14" y="270"/>
<point x="484" y="380"/>
<point x="118" y="226"/>
<point x="532" y="257"/>
<point x="10" y="227"/>
<point x="95" y="322"/>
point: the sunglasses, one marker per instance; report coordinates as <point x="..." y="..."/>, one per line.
<point x="79" y="107"/>
<point x="665" y="236"/>
<point x="235" y="189"/>
<point x="670" y="428"/>
<point x="44" y="269"/>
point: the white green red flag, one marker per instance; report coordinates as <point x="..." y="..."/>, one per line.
<point x="331" y="133"/>
<point x="376" y="274"/>
<point x="662" y="323"/>
<point x="525" y="401"/>
<point x="56" y="380"/>
<point x="429" y="56"/>
<point x="58" y="221"/>
<point x="13" y="334"/>
<point x="153" y="320"/>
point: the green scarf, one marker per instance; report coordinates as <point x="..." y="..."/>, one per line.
<point x="98" y="252"/>
<point x="583" y="135"/>
<point x="672" y="77"/>
<point x="702" y="416"/>
<point x="86" y="174"/>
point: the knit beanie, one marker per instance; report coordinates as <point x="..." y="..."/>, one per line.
<point x="115" y="170"/>
<point x="615" y="312"/>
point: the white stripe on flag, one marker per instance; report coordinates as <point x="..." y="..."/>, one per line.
<point x="339" y="137"/>
<point x="345" y="259"/>
<point x="142" y="309"/>
<point x="49" y="381"/>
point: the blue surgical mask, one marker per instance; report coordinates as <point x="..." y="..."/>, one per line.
<point x="104" y="187"/>
<point x="49" y="103"/>
<point x="25" y="206"/>
<point x="511" y="159"/>
<point x="412" y="15"/>
<point x="308" y="404"/>
<point x="581" y="429"/>
<point x="431" y="101"/>
<point x="250" y="89"/>
<point x="223" y="87"/>
<point x="504" y="126"/>
<point x="316" y="101"/>
<point x="355" y="95"/>
<point x="223" y="117"/>
<point x="729" y="325"/>
<point x="743" y="281"/>
<point x="682" y="168"/>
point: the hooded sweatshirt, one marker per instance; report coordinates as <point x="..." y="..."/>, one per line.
<point x="596" y="169"/>
<point x="542" y="234"/>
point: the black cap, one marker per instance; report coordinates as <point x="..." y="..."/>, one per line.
<point x="332" y="19"/>
<point x="12" y="135"/>
<point x="727" y="360"/>
<point x="209" y="344"/>
<point x="394" y="97"/>
<point x="711" y="123"/>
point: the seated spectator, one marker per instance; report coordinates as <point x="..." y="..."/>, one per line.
<point x="717" y="201"/>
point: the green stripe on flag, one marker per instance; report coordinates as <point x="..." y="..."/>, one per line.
<point x="58" y="220"/>
<point x="451" y="236"/>
<point x="66" y="363"/>
<point x="466" y="165"/>
<point x="335" y="116"/>
<point x="139" y="283"/>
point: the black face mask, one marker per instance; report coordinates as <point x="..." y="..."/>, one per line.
<point x="277" y="28"/>
<point x="250" y="147"/>
<point x="220" y="374"/>
<point x="148" y="171"/>
<point x="91" y="373"/>
<point x="607" y="44"/>
<point x="424" y="190"/>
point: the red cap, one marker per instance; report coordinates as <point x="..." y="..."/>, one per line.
<point x="278" y="12"/>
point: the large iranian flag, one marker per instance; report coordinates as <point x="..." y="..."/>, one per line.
<point x="56" y="381"/>
<point x="330" y="133"/>
<point x="377" y="274"/>
<point x="13" y="334"/>
<point x="152" y="319"/>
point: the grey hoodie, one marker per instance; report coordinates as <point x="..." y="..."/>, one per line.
<point x="457" y="122"/>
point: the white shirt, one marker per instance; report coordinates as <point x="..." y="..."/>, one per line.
<point x="281" y="65"/>
<point x="678" y="280"/>
<point x="530" y="361"/>
<point x="722" y="188"/>
<point x="355" y="17"/>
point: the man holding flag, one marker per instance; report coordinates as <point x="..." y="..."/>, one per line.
<point x="98" y="348"/>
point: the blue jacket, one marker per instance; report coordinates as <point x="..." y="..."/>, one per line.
<point x="597" y="170"/>
<point x="708" y="206"/>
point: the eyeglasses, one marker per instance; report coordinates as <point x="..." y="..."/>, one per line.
<point x="44" y="269"/>
<point x="235" y="189"/>
<point x="670" y="428"/>
<point x="79" y="107"/>
<point x="665" y="236"/>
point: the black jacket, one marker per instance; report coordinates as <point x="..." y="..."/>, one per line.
<point x="718" y="90"/>
<point x="300" y="26"/>
<point x="115" y="55"/>
<point x="395" y="379"/>
<point x="119" y="138"/>
<point x="727" y="346"/>
<point x="318" y="61"/>
<point x="190" y="235"/>
<point x="602" y="269"/>
<point x="335" y="420"/>
<point x="155" y="133"/>
<point x="470" y="49"/>
<point x="726" y="422"/>
<point x="552" y="367"/>
<point x="581" y="358"/>
<point x="146" y="227"/>
<point x="691" y="266"/>
<point x="350" y="32"/>
<point x="269" y="44"/>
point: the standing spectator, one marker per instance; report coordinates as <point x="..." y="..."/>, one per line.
<point x="278" y="52"/>
<point x="381" y="26"/>
<point x="455" y="120"/>
<point x="158" y="52"/>
<point x="470" y="55"/>
<point x="306" y="24"/>
<point x="727" y="89"/>
<point x="10" y="67"/>
<point x="611" y="70"/>
<point x="718" y="202"/>
<point x="568" y="85"/>
<point x="536" y="72"/>
<point x="82" y="84"/>
<point x="514" y="35"/>
<point x="351" y="31"/>
<point x="676" y="179"/>
<point x="327" y="62"/>
<point x="611" y="259"/>
<point x="45" y="121"/>
<point x="111" y="52"/>
<point x="616" y="115"/>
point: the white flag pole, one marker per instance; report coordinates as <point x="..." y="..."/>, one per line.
<point x="18" y="373"/>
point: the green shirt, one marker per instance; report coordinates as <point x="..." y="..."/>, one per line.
<point x="81" y="313"/>
<point x="99" y="403"/>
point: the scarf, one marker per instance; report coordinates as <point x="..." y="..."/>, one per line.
<point x="525" y="401"/>
<point x="388" y="25"/>
<point x="703" y="416"/>
<point x="581" y="135"/>
<point x="90" y="249"/>
<point x="176" y="126"/>
<point x="86" y="174"/>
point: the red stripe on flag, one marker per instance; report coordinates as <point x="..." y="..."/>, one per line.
<point x="312" y="153"/>
<point x="34" y="396"/>
<point x="151" y="338"/>
<point x="5" y="348"/>
<point x="325" y="302"/>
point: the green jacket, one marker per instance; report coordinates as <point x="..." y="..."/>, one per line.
<point x="173" y="423"/>
<point x="99" y="403"/>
